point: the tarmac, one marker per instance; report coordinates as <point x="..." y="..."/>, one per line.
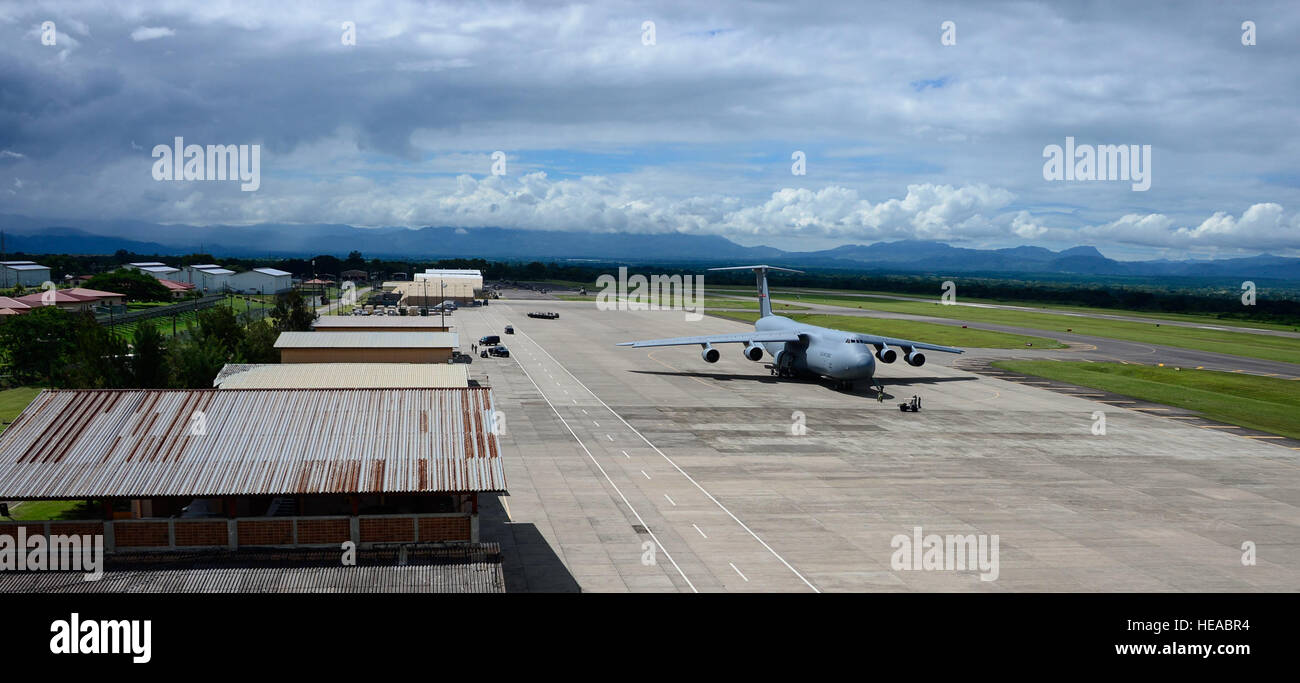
<point x="649" y="470"/>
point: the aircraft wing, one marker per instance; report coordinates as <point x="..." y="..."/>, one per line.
<point x="904" y="343"/>
<point x="739" y="338"/>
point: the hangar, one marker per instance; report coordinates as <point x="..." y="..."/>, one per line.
<point x="25" y="273"/>
<point x="366" y="347"/>
<point x="261" y="281"/>
<point x="233" y="468"/>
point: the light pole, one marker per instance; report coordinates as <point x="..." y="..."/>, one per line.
<point x="444" y="305"/>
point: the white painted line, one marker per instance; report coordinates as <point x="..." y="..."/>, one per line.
<point x="733" y="566"/>
<point x="584" y="411"/>
<point x="697" y="528"/>
<point x="626" y="455"/>
<point x="595" y="423"/>
<point x="611" y="481"/>
<point x="609" y="437"/>
<point x="670" y="500"/>
<point x="646" y="475"/>
<point x="678" y="468"/>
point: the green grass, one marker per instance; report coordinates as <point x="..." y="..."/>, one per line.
<point x="32" y="510"/>
<point x="1267" y="347"/>
<point x="1268" y="404"/>
<point x="12" y="402"/>
<point x="930" y="333"/>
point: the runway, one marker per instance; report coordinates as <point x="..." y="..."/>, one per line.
<point x="650" y="470"/>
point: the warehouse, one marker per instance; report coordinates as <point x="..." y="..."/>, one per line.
<point x="233" y="468"/>
<point x="261" y="281"/>
<point x="379" y="323"/>
<point x="366" y="347"/>
<point x="343" y="376"/>
<point x="155" y="269"/>
<point x="25" y="273"/>
<point x="434" y="286"/>
<point x="209" y="278"/>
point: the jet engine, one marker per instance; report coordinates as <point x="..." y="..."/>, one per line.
<point x="709" y="354"/>
<point x="915" y="358"/>
<point x="886" y="354"/>
<point x="753" y="352"/>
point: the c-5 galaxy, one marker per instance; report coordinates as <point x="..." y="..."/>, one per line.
<point x="799" y="349"/>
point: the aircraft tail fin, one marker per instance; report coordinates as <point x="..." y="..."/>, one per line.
<point x="760" y="276"/>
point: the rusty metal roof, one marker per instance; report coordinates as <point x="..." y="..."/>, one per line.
<point x="343" y="376"/>
<point x="139" y="443"/>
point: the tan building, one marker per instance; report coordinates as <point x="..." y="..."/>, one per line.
<point x="366" y="347"/>
<point x="343" y="376"/>
<point x="379" y="323"/>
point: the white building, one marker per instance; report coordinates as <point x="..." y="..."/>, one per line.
<point x="25" y="273"/>
<point x="261" y="281"/>
<point x="209" y="278"/>
<point x="154" y="269"/>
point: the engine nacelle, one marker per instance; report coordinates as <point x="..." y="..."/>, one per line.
<point x="710" y="354"/>
<point x="915" y="359"/>
<point x="886" y="355"/>
<point x="753" y="352"/>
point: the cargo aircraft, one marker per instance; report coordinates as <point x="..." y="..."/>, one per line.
<point x="798" y="349"/>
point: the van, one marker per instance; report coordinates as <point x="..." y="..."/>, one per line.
<point x="489" y="340"/>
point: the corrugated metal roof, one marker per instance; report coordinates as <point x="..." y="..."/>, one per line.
<point x="343" y="376"/>
<point x="137" y="443"/>
<point x="367" y="340"/>
<point x="472" y="568"/>
<point x="397" y="322"/>
<point x="271" y="271"/>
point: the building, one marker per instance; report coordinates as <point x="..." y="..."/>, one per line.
<point x="155" y="269"/>
<point x="57" y="297"/>
<point x="25" y="273"/>
<point x="366" y="347"/>
<point x="97" y="297"/>
<point x="343" y="376"/>
<point x="10" y="306"/>
<point x="379" y="323"/>
<point x="261" y="281"/>
<point x="179" y="290"/>
<point x="208" y="278"/>
<point x="296" y="468"/>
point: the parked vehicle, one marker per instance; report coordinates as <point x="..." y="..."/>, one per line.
<point x="458" y="357"/>
<point x="547" y="315"/>
<point x="497" y="351"/>
<point x="489" y="340"/>
<point x="510" y="329"/>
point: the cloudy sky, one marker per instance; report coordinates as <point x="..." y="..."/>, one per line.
<point x="904" y="137"/>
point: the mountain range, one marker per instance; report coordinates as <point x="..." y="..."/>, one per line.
<point x="36" y="236"/>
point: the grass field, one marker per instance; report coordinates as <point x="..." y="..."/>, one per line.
<point x="12" y="402"/>
<point x="930" y="333"/>
<point x="1265" y="403"/>
<point x="1268" y="347"/>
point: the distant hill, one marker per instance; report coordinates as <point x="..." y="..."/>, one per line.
<point x="283" y="240"/>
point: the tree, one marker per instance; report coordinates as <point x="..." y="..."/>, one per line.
<point x="219" y="324"/>
<point x="149" y="362"/>
<point x="258" y="345"/>
<point x="97" y="359"/>
<point x="135" y="285"/>
<point x="196" y="364"/>
<point x="291" y="313"/>
<point x="34" y="345"/>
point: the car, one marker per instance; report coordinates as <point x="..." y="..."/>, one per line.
<point x="510" y="329"/>
<point x="489" y="340"/>
<point x="498" y="351"/>
<point x="459" y="357"/>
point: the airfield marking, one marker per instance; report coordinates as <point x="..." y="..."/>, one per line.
<point x="651" y="356"/>
<point x="733" y="566"/>
<point x="697" y="528"/>
<point x="617" y="490"/>
<point x="644" y="474"/>
<point x="670" y="461"/>
<point x="670" y="500"/>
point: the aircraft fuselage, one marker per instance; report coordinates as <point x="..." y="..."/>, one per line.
<point x="822" y="351"/>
